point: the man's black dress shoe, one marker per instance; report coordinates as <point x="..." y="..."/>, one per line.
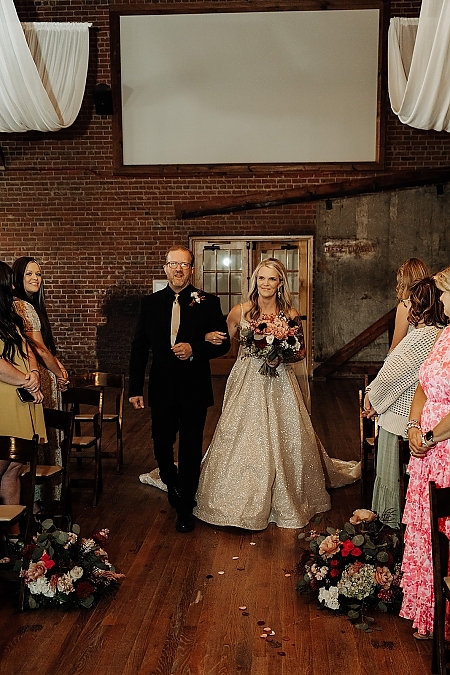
<point x="185" y="522"/>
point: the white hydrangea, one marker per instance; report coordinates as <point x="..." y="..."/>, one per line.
<point x="41" y="587"/>
<point x="329" y="596"/>
<point x="357" y="584"/>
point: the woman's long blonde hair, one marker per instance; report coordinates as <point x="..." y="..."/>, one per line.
<point x="410" y="271"/>
<point x="283" y="297"/>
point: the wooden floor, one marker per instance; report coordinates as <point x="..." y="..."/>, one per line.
<point x="177" y="610"/>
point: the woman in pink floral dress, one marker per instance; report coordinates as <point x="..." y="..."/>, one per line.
<point x="429" y="441"/>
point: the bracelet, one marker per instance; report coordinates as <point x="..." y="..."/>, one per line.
<point x="412" y="424"/>
<point x="366" y="390"/>
<point x="35" y="371"/>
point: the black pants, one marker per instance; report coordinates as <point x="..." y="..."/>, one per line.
<point x="189" y="423"/>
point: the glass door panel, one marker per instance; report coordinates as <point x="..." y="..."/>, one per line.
<point x="221" y="268"/>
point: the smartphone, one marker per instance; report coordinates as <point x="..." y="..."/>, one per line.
<point x="24" y="395"/>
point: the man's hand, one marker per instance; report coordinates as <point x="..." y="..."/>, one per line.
<point x="182" y="351"/>
<point x="137" y="402"/>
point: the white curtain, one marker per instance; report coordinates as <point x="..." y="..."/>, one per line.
<point x="419" y="67"/>
<point x="43" y="68"/>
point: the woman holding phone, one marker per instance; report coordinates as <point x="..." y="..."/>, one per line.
<point x="18" y="370"/>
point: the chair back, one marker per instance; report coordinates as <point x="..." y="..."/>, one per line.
<point x="99" y="379"/>
<point x="23" y="451"/>
<point x="439" y="508"/>
<point x="63" y="421"/>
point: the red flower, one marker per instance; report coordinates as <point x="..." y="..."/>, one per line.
<point x="386" y="595"/>
<point x="260" y="344"/>
<point x="356" y="552"/>
<point x="334" y="563"/>
<point x="49" y="563"/>
<point x="347" y="548"/>
<point x="84" y="590"/>
<point x="334" y="572"/>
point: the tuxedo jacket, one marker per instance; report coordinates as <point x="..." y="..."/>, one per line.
<point x="173" y="380"/>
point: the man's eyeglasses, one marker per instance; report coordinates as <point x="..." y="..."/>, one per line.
<point x="173" y="265"/>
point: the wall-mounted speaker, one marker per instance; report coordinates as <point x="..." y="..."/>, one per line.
<point x="103" y="99"/>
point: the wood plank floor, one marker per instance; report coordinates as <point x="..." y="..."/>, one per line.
<point x="177" y="614"/>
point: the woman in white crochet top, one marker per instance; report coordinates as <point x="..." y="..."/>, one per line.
<point x="391" y="393"/>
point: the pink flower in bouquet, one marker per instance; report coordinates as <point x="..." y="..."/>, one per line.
<point x="362" y="516"/>
<point x="383" y="577"/>
<point x="35" y="571"/>
<point x="329" y="546"/>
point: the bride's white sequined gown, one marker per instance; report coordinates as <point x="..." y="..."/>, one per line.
<point x="264" y="463"/>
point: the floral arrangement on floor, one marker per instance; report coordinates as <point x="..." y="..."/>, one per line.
<point x="274" y="339"/>
<point x="65" y="569"/>
<point x="353" y="568"/>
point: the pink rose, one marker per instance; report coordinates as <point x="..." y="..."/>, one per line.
<point x="35" y="571"/>
<point x="362" y="516"/>
<point x="383" y="577"/>
<point x="329" y="546"/>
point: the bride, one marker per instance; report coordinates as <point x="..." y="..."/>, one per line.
<point x="265" y="463"/>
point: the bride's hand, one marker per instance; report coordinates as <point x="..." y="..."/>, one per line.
<point x="216" y="337"/>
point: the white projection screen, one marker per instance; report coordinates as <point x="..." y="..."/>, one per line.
<point x="245" y="88"/>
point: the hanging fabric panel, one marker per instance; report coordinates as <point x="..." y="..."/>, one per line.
<point x="43" y="68"/>
<point x="419" y="67"/>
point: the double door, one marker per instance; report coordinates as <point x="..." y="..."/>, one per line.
<point x="224" y="266"/>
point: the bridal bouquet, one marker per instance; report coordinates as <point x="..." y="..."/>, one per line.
<point x="67" y="570"/>
<point x="354" y="567"/>
<point x="274" y="339"/>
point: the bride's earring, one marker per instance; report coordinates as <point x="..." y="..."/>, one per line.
<point x="278" y="291"/>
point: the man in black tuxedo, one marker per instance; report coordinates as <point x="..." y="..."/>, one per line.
<point x="180" y="388"/>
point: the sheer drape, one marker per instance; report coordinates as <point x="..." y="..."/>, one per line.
<point x="43" y="69"/>
<point x="419" y="67"/>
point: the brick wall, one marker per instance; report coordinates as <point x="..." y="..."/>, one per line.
<point x="101" y="238"/>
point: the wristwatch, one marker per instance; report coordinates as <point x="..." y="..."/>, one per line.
<point x="428" y="439"/>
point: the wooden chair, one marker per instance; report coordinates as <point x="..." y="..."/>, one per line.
<point x="62" y="422"/>
<point x="87" y="446"/>
<point x="25" y="452"/>
<point x="112" y="381"/>
<point x="368" y="434"/>
<point x="439" y="508"/>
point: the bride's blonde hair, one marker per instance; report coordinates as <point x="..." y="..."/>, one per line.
<point x="283" y="297"/>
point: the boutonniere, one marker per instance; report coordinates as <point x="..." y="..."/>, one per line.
<point x="197" y="297"/>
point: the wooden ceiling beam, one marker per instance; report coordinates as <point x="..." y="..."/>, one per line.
<point x="350" y="188"/>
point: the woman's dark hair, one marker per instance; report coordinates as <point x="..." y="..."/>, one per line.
<point x="10" y="322"/>
<point x="425" y="304"/>
<point x="36" y="299"/>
